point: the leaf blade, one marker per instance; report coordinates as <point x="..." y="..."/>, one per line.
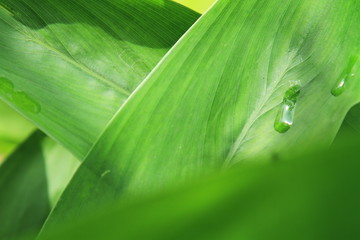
<point x="250" y="201"/>
<point x="31" y="182"/>
<point x="48" y="66"/>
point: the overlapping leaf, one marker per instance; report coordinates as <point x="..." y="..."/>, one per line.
<point x="69" y="65"/>
<point x="312" y="196"/>
<point x="31" y="180"/>
<point x="214" y="98"/>
<point x="73" y="38"/>
<point x="351" y="124"/>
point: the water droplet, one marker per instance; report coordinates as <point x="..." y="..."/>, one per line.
<point x="18" y="98"/>
<point x="285" y="117"/>
<point x="339" y="88"/>
<point x="340" y="85"/>
<point x="26" y="103"/>
<point x="293" y="92"/>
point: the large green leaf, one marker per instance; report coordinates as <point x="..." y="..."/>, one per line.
<point x="314" y="196"/>
<point x="31" y="180"/>
<point x="60" y="165"/>
<point x="214" y="99"/>
<point x="69" y="65"/>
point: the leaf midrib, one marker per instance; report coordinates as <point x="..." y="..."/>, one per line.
<point x="71" y="60"/>
<point x="83" y="67"/>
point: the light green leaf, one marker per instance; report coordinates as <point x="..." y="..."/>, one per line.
<point x="69" y="65"/>
<point x="60" y="166"/>
<point x="214" y="98"/>
<point x="31" y="180"/>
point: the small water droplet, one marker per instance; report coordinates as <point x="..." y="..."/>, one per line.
<point x="18" y="98"/>
<point x="340" y="85"/>
<point x="285" y="116"/>
<point x="339" y="88"/>
<point x="293" y="92"/>
<point x="26" y="103"/>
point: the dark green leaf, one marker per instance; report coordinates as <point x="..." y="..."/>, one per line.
<point x="31" y="180"/>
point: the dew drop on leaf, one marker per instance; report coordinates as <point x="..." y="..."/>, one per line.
<point x="339" y="88"/>
<point x="285" y="117"/>
<point x="19" y="98"/>
<point x="340" y="85"/>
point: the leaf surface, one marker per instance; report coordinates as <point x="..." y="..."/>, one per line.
<point x="69" y="65"/>
<point x="214" y="98"/>
<point x="351" y="124"/>
<point x="31" y="180"/>
<point x="312" y="196"/>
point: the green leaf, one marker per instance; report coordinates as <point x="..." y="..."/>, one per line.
<point x="351" y="124"/>
<point x="214" y="98"/>
<point x="31" y="180"/>
<point x="60" y="167"/>
<point x="312" y="196"/>
<point x="69" y="65"/>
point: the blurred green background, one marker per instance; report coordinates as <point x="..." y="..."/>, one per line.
<point x="13" y="129"/>
<point x="313" y="196"/>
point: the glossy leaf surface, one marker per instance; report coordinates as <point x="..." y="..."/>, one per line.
<point x="69" y="65"/>
<point x="214" y="98"/>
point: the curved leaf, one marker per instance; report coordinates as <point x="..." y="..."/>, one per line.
<point x="31" y="180"/>
<point x="214" y="98"/>
<point x="312" y="196"/>
<point x="351" y="124"/>
<point x="69" y="65"/>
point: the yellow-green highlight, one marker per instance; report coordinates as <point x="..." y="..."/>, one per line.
<point x="197" y="5"/>
<point x="13" y="130"/>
